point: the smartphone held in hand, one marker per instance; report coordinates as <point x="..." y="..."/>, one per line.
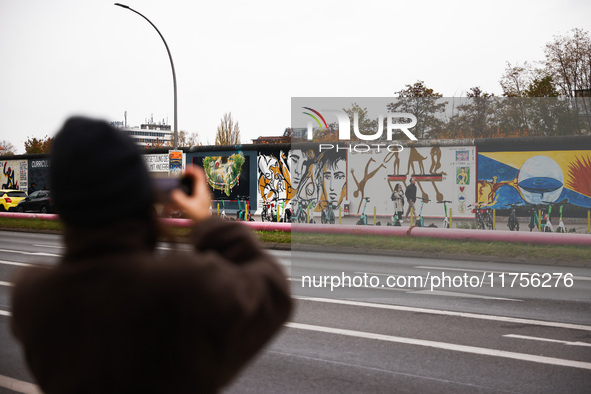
<point x="163" y="186"/>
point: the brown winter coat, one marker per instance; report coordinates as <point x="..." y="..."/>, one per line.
<point x="115" y="316"/>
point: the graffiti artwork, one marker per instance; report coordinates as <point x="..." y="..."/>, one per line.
<point x="441" y="173"/>
<point x="274" y="179"/>
<point x="331" y="179"/>
<point x="14" y="174"/>
<point x="534" y="178"/>
<point x="223" y="172"/>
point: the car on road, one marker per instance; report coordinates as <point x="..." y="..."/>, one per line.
<point x="9" y="199"/>
<point x="38" y="201"/>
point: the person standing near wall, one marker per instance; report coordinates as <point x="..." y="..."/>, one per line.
<point x="114" y="316"/>
<point x="411" y="197"/>
<point x="398" y="198"/>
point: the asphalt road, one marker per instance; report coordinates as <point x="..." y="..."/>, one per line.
<point x="392" y="325"/>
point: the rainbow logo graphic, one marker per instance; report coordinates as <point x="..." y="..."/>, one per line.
<point x="316" y="119"/>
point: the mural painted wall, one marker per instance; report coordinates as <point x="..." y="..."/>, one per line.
<point x="273" y="176"/>
<point x="535" y="177"/>
<point x="230" y="174"/>
<point x="38" y="178"/>
<point x="441" y="173"/>
<point x="343" y="178"/>
<point x="14" y="174"/>
<point x="303" y="176"/>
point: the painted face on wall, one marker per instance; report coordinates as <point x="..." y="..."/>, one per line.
<point x="334" y="178"/>
<point x="297" y="167"/>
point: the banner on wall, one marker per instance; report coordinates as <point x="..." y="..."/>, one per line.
<point x="157" y="162"/>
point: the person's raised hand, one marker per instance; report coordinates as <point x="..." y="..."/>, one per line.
<point x="196" y="206"/>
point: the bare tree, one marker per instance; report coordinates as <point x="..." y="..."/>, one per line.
<point x="186" y="139"/>
<point x="9" y="148"/>
<point x="228" y="132"/>
<point x="568" y="60"/>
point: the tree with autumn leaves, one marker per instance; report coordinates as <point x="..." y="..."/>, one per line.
<point x="34" y="145"/>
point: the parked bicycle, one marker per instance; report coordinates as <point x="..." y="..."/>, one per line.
<point x="327" y="214"/>
<point x="269" y="213"/>
<point x="534" y="221"/>
<point x="512" y="222"/>
<point x="301" y="211"/>
<point x="484" y="219"/>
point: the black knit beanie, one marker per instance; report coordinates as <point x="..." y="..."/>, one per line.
<point x="97" y="175"/>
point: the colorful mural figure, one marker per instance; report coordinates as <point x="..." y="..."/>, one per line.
<point x="301" y="165"/>
<point x="274" y="178"/>
<point x="367" y="175"/>
<point x="303" y="176"/>
<point x="10" y="182"/>
<point x="14" y="174"/>
<point x="223" y="172"/>
<point x="331" y="176"/>
<point x="534" y="178"/>
<point x="382" y="170"/>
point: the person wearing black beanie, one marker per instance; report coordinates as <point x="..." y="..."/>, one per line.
<point x="97" y="174"/>
<point x="114" y="316"/>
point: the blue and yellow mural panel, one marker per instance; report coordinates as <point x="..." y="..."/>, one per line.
<point x="534" y="177"/>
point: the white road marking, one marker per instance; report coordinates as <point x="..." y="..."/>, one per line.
<point x="6" y="284"/>
<point x="5" y="313"/>
<point x="50" y="246"/>
<point x="569" y="343"/>
<point x="446" y="346"/>
<point x="466" y="295"/>
<point x="15" y="263"/>
<point x="487" y="271"/>
<point x="30" y="253"/>
<point x="450" y="313"/>
<point x="18" y="385"/>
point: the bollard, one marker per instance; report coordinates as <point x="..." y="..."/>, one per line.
<point x="412" y="216"/>
<point x="494" y="219"/>
<point x="218" y="209"/>
<point x="540" y="219"/>
<point x="450" y="224"/>
<point x="374" y="216"/>
<point x="339" y="215"/>
<point x="588" y="222"/>
<point x="308" y="213"/>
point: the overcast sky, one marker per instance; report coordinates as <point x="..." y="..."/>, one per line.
<point x="69" y="57"/>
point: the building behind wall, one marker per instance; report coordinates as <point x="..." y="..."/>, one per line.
<point x="149" y="134"/>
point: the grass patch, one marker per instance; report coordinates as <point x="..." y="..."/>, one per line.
<point x="30" y="224"/>
<point x="562" y="253"/>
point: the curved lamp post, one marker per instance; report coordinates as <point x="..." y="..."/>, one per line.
<point x="171" y="65"/>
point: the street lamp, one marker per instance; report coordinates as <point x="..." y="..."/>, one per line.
<point x="176" y="137"/>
